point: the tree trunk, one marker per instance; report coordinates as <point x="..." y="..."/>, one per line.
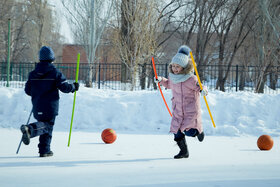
<point x="143" y="77"/>
<point x="123" y="73"/>
<point x="90" y="76"/>
<point x="242" y="79"/>
<point x="273" y="80"/>
<point x="133" y="78"/>
<point x="260" y="86"/>
<point x="220" y="82"/>
<point x="260" y="83"/>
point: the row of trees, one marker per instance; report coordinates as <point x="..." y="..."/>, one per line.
<point x="221" y="32"/>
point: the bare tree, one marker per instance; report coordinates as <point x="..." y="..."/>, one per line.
<point x="12" y="11"/>
<point x="267" y="39"/>
<point x="136" y="37"/>
<point x="88" y="19"/>
<point x="5" y="14"/>
<point x="231" y="32"/>
<point x="205" y="12"/>
<point x="143" y="27"/>
<point x="32" y="26"/>
<point x="194" y="27"/>
<point x="41" y="26"/>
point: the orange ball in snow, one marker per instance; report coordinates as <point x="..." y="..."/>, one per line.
<point x="108" y="136"/>
<point x="265" y="142"/>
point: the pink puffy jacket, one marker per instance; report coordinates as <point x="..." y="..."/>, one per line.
<point x="186" y="108"/>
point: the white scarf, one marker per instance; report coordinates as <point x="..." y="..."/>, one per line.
<point x="177" y="78"/>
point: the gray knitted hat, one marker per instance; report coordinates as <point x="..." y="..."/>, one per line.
<point x="182" y="56"/>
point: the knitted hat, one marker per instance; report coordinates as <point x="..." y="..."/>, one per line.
<point x="182" y="56"/>
<point x="46" y="54"/>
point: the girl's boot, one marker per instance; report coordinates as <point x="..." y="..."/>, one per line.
<point x="200" y="137"/>
<point x="184" y="153"/>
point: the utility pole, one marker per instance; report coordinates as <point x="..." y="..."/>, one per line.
<point x="8" y="55"/>
<point x="92" y="31"/>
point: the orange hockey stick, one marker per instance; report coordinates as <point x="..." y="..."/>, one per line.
<point x="155" y="71"/>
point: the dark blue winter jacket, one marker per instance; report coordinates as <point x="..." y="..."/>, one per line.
<point x="43" y="85"/>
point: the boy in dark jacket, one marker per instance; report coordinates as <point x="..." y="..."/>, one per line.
<point x="43" y="85"/>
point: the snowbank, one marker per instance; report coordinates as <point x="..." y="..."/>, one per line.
<point x="235" y="114"/>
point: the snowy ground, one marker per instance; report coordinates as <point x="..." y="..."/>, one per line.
<point x="143" y="152"/>
<point x="138" y="160"/>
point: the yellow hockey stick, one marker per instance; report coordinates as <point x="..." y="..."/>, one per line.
<point x="196" y="72"/>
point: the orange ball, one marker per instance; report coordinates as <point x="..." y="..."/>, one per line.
<point x="108" y="136"/>
<point x="265" y="142"/>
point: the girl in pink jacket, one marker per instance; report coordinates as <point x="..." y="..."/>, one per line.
<point x="186" y="110"/>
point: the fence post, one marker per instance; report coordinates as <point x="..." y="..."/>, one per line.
<point x="20" y="73"/>
<point x="8" y="55"/>
<point x="236" y="86"/>
<point x="166" y="70"/>
<point x="99" y="66"/>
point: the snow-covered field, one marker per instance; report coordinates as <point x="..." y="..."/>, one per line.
<point x="143" y="152"/>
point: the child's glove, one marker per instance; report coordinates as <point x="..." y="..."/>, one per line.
<point x="204" y="92"/>
<point x="157" y="80"/>
<point x="76" y="86"/>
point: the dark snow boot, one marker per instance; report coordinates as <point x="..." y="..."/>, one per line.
<point x="200" y="137"/>
<point x="25" y="134"/>
<point x="184" y="153"/>
<point x="50" y="153"/>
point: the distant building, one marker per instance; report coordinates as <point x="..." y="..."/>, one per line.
<point x="105" y="55"/>
<point x="70" y="51"/>
<point x="69" y="61"/>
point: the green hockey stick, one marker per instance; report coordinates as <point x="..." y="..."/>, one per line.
<point x="77" y="75"/>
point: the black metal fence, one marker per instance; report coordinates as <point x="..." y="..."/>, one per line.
<point x="113" y="76"/>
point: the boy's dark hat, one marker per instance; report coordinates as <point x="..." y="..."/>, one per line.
<point x="46" y="54"/>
